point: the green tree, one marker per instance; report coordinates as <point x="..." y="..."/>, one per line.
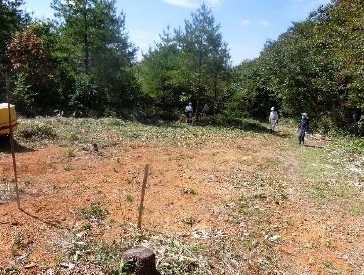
<point x="346" y="28"/>
<point x="31" y="67"/>
<point x="93" y="42"/>
<point x="191" y="64"/>
<point x="208" y="59"/>
<point x="163" y="76"/>
<point x="252" y="96"/>
<point x="12" y="18"/>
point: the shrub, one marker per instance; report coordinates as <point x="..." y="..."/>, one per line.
<point x="36" y="130"/>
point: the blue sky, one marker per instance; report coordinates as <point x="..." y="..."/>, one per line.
<point x="245" y="24"/>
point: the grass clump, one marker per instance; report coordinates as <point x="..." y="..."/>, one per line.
<point x="35" y="130"/>
<point x="95" y="212"/>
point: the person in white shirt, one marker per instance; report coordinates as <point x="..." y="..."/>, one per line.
<point x="273" y="120"/>
<point x="188" y="113"/>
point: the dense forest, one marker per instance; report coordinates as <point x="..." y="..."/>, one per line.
<point x="83" y="63"/>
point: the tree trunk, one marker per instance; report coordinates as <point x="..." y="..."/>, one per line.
<point x="139" y="261"/>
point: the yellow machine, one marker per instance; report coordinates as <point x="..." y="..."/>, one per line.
<point x="4" y="119"/>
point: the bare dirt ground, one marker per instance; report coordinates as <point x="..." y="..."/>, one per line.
<point x="249" y="203"/>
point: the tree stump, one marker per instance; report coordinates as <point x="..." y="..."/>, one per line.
<point x="139" y="261"/>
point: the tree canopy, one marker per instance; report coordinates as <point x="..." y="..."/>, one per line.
<point x="314" y="67"/>
<point x="84" y="61"/>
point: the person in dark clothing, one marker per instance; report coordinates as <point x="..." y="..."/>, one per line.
<point x="303" y="128"/>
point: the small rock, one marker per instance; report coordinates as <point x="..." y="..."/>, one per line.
<point x="31" y="265"/>
<point x="273" y="238"/>
<point x="68" y="265"/>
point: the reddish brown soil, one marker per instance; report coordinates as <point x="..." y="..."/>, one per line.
<point x="182" y="184"/>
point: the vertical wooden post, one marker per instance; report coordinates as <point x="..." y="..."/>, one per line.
<point x="12" y="143"/>
<point x="142" y="196"/>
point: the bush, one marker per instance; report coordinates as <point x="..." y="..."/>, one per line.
<point x="324" y="125"/>
<point x="36" y="131"/>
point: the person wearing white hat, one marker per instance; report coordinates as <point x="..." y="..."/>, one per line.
<point x="303" y="128"/>
<point x="273" y="119"/>
<point x="188" y="113"/>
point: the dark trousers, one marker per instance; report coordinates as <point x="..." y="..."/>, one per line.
<point x="301" y="137"/>
<point x="188" y="117"/>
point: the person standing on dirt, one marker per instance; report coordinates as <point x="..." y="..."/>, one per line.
<point x="273" y="119"/>
<point x="303" y="128"/>
<point x="188" y="113"/>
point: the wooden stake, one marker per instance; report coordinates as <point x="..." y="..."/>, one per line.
<point x="12" y="144"/>
<point x="142" y="196"/>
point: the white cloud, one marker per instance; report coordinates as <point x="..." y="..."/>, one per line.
<point x="215" y="3"/>
<point x="245" y="22"/>
<point x="194" y="4"/>
<point x="264" y="23"/>
<point x="183" y="3"/>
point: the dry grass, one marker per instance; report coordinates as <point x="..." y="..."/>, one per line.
<point x="277" y="190"/>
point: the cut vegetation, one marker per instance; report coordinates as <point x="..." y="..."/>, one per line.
<point x="218" y="200"/>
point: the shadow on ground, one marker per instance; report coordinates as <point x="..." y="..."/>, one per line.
<point x="282" y="135"/>
<point x="5" y="145"/>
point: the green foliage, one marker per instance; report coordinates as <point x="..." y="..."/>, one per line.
<point x="12" y="18"/>
<point x="95" y="212"/>
<point x="129" y="198"/>
<point x="32" y="70"/>
<point x="325" y="125"/>
<point x="10" y="270"/>
<point x="23" y="96"/>
<point x="84" y="61"/>
<point x="326" y="191"/>
<point x="163" y="78"/>
<point x="251" y="95"/>
<point x="96" y="56"/>
<point x="188" y="65"/>
<point x="35" y="130"/>
<point x="87" y="95"/>
<point x="313" y="67"/>
<point x="207" y="58"/>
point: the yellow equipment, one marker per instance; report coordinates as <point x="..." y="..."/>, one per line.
<point x="4" y="119"/>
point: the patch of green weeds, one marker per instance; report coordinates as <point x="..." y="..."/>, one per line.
<point x="50" y="165"/>
<point x="10" y="270"/>
<point x="250" y="243"/>
<point x="314" y="163"/>
<point x="70" y="153"/>
<point x="67" y="167"/>
<point x="36" y="130"/>
<point x="85" y="130"/>
<point x="18" y="239"/>
<point x="331" y="268"/>
<point x="268" y="266"/>
<point x="129" y="198"/>
<point x="87" y="226"/>
<point x="72" y="137"/>
<point x="21" y="189"/>
<point x="28" y="181"/>
<point x="95" y="212"/>
<point x="355" y="209"/>
<point x="19" y="243"/>
<point x="325" y="190"/>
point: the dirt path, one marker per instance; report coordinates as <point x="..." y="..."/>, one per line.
<point x="243" y="198"/>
